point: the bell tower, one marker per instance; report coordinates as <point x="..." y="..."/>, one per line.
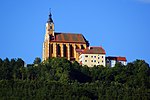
<point x="49" y="36"/>
<point x="50" y="28"/>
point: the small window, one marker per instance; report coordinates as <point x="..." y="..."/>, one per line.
<point x="91" y="60"/>
<point x="94" y="56"/>
<point x="50" y="27"/>
<point x="86" y="55"/>
<point x="98" y="57"/>
<point x="85" y="60"/>
<point x="94" y="60"/>
<point x="91" y="56"/>
<point x="102" y="56"/>
<point x="102" y="61"/>
<point x="98" y="62"/>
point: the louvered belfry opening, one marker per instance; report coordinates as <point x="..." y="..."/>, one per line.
<point x="82" y="47"/>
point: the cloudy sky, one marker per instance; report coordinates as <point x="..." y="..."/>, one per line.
<point x="122" y="27"/>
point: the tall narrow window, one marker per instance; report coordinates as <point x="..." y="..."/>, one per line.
<point x="51" y="27"/>
<point x="65" y="50"/>
<point x="58" y="51"/>
<point x="51" y="48"/>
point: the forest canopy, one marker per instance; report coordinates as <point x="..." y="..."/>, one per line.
<point x="58" y="78"/>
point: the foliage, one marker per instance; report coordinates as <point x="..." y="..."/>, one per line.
<point x="58" y="78"/>
<point x="37" y="60"/>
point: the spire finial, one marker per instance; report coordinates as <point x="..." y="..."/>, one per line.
<point x="50" y="12"/>
<point x="50" y="16"/>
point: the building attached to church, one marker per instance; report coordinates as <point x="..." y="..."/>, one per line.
<point x="60" y="44"/>
<point x="92" y="56"/>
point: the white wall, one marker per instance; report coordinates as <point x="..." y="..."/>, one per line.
<point x="92" y="59"/>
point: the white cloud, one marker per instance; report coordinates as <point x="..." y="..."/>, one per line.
<point x="144" y="1"/>
<point x="141" y="1"/>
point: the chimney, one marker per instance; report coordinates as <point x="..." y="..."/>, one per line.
<point x="89" y="47"/>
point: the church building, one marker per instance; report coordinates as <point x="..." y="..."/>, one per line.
<point x="60" y="44"/>
<point x="74" y="47"/>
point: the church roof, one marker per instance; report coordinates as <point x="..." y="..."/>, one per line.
<point x="69" y="37"/>
<point x="94" y="50"/>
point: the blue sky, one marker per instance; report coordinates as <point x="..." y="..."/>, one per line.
<point x="122" y="27"/>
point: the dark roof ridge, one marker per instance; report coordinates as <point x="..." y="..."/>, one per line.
<point x="96" y="46"/>
<point x="116" y="56"/>
<point x="68" y="33"/>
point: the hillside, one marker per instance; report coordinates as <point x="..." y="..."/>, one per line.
<point x="58" y="78"/>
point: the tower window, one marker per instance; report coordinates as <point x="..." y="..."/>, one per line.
<point x="50" y="27"/>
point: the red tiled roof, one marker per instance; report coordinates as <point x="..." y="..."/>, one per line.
<point x="69" y="37"/>
<point x="116" y="58"/>
<point x="121" y="59"/>
<point x="94" y="50"/>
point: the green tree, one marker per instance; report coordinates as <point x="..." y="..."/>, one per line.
<point x="37" y="60"/>
<point x="6" y="70"/>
